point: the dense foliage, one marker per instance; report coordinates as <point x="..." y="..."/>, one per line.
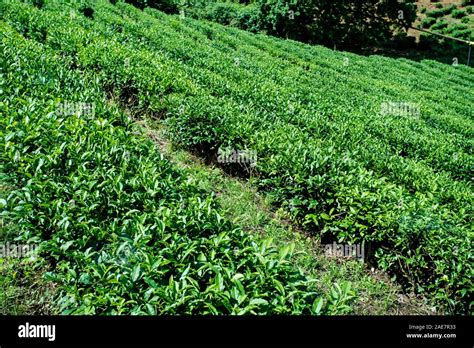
<point x="345" y="23"/>
<point x="342" y="23"/>
<point x="122" y="230"/>
<point x="168" y="6"/>
<point x="452" y="20"/>
<point x="246" y="17"/>
<point x="398" y="181"/>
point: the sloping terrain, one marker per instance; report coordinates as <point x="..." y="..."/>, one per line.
<point x="122" y="230"/>
<point x="452" y="19"/>
<point x="357" y="149"/>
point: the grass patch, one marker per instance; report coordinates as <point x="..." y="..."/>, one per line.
<point x="23" y="290"/>
<point x="371" y="292"/>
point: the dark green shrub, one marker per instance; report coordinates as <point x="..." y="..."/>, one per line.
<point x="465" y="34"/>
<point x="441" y="12"/>
<point x="428" y="22"/>
<point x="223" y="13"/>
<point x="167" y="6"/>
<point x="458" y="13"/>
<point x="38" y="3"/>
<point x="440" y="25"/>
<point x="87" y="12"/>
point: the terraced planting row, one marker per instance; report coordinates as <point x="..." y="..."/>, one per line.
<point x="326" y="150"/>
<point x="122" y="230"/>
<point x="449" y="19"/>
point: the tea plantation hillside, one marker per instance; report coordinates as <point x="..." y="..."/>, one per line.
<point x="356" y="149"/>
<point x="453" y="19"/>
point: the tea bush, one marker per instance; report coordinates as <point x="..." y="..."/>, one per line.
<point x="123" y="231"/>
<point x="358" y="149"/>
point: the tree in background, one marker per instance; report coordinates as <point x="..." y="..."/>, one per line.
<point x="353" y="23"/>
<point x="285" y="18"/>
<point x="348" y="24"/>
<point x="168" y="6"/>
